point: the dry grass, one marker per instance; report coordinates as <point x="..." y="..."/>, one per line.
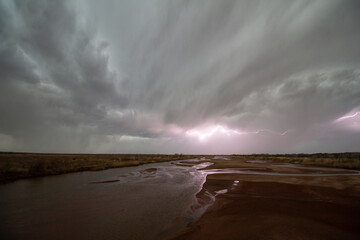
<point x="24" y="165"/>
<point x="334" y="160"/>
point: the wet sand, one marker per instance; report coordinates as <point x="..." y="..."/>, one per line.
<point x="219" y="198"/>
<point x="270" y="200"/>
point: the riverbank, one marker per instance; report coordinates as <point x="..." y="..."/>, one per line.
<point x="144" y="202"/>
<point x="15" y="166"/>
<point x="267" y="199"/>
<point x="347" y="160"/>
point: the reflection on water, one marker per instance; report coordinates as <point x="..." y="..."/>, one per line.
<point x="126" y="203"/>
<point x="144" y="202"/>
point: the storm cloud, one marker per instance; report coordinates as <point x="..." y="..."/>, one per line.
<point x="141" y="76"/>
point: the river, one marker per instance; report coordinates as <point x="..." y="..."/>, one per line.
<point x="143" y="202"/>
<point x="150" y="201"/>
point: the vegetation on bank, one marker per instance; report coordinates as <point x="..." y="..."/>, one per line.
<point x="24" y="165"/>
<point x="349" y="160"/>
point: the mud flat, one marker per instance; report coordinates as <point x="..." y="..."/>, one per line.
<point x="260" y="199"/>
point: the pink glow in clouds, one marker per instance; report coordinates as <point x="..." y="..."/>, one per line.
<point x="350" y="121"/>
<point x="210" y="131"/>
<point x="348" y="117"/>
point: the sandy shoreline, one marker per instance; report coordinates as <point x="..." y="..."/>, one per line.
<point x="298" y="206"/>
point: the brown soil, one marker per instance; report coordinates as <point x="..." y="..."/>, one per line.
<point x="277" y="207"/>
<point x="108" y="181"/>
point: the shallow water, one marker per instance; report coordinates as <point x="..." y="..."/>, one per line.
<point x="137" y="203"/>
<point x="144" y="202"/>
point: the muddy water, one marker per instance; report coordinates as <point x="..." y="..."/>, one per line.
<point x="144" y="202"/>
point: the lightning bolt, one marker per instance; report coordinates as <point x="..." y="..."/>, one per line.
<point x="218" y="128"/>
<point x="347" y="117"/>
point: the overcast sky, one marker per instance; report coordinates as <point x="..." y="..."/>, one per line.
<point x="180" y="76"/>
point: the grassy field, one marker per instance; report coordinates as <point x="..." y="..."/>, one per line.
<point x="24" y="165"/>
<point x="334" y="160"/>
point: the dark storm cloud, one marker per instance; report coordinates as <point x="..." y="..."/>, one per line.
<point x="300" y="101"/>
<point x="55" y="75"/>
<point x="127" y="75"/>
<point x="206" y="64"/>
